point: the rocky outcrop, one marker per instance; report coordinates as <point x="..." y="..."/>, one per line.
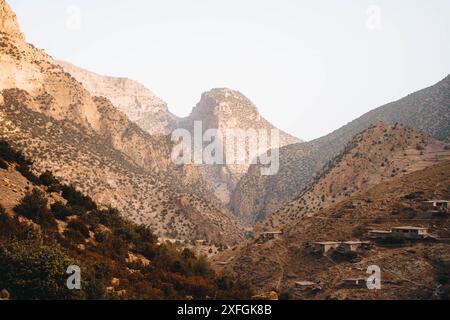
<point x="87" y="142"/>
<point x="8" y="22"/>
<point x="137" y="102"/>
<point x="225" y="109"/>
<point x="218" y="109"/>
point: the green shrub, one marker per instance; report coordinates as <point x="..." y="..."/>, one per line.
<point x="79" y="226"/>
<point x="101" y="237"/>
<point x="392" y="240"/>
<point x="148" y="250"/>
<point x="110" y="217"/>
<point x="48" y="179"/>
<point x="115" y="248"/>
<point x="34" y="206"/>
<point x="341" y="256"/>
<point x="91" y="218"/>
<point x="74" y="236"/>
<point x="32" y="271"/>
<point x="224" y="283"/>
<point x="3" y="164"/>
<point x="202" y="267"/>
<point x="77" y="199"/>
<point x="8" y="226"/>
<point x="11" y="228"/>
<point x="61" y="211"/>
<point x="26" y="172"/>
<point x="98" y="278"/>
<point x="9" y="154"/>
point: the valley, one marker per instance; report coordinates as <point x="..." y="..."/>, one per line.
<point x="88" y="177"/>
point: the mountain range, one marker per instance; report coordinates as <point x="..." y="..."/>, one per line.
<point x="256" y="196"/>
<point x="101" y="147"/>
<point x="220" y="109"/>
<point x="88" y="142"/>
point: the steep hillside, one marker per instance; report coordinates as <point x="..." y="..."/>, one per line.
<point x="374" y="156"/>
<point x="218" y="109"/>
<point x="409" y="269"/>
<point x="225" y="109"/>
<point x="87" y="142"/>
<point x="138" y="103"/>
<point x="46" y="226"/>
<point x="256" y="196"/>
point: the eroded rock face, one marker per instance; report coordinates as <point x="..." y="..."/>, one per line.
<point x="137" y="102"/>
<point x="218" y="109"/>
<point x="87" y="142"/>
<point x="225" y="109"/>
<point x="8" y="21"/>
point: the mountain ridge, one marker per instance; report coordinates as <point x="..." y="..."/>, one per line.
<point x="257" y="196"/>
<point x="378" y="182"/>
<point x="140" y="104"/>
<point x="49" y="115"/>
<point x="218" y="108"/>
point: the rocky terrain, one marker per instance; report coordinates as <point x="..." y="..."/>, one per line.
<point x="137" y="102"/>
<point x="376" y="155"/>
<point x="409" y="270"/>
<point x="86" y="176"/>
<point x="225" y="109"/>
<point x="89" y="143"/>
<point x="256" y="196"/>
<point x="220" y="109"/>
<point x="47" y="226"/>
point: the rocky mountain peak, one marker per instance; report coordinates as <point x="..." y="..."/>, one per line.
<point x="225" y="109"/>
<point x="8" y="22"/>
<point x="225" y="103"/>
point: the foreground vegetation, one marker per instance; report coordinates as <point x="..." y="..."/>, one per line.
<point x="118" y="259"/>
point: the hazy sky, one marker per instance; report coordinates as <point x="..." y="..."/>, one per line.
<point x="309" y="66"/>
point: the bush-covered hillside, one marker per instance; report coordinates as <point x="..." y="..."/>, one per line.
<point x="54" y="226"/>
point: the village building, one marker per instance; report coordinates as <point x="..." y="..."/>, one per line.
<point x="410" y="232"/>
<point x="271" y="235"/>
<point x="345" y="246"/>
<point x="354" y="283"/>
<point x="438" y="205"/>
<point x="379" y="234"/>
<point x="352" y="246"/>
<point x="326" y="246"/>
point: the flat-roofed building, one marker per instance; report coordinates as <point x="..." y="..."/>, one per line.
<point x="354" y="245"/>
<point x="438" y="205"/>
<point x="378" y="234"/>
<point x="410" y="232"/>
<point x="359" y="282"/>
<point x="326" y="246"/>
<point x="269" y="235"/>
